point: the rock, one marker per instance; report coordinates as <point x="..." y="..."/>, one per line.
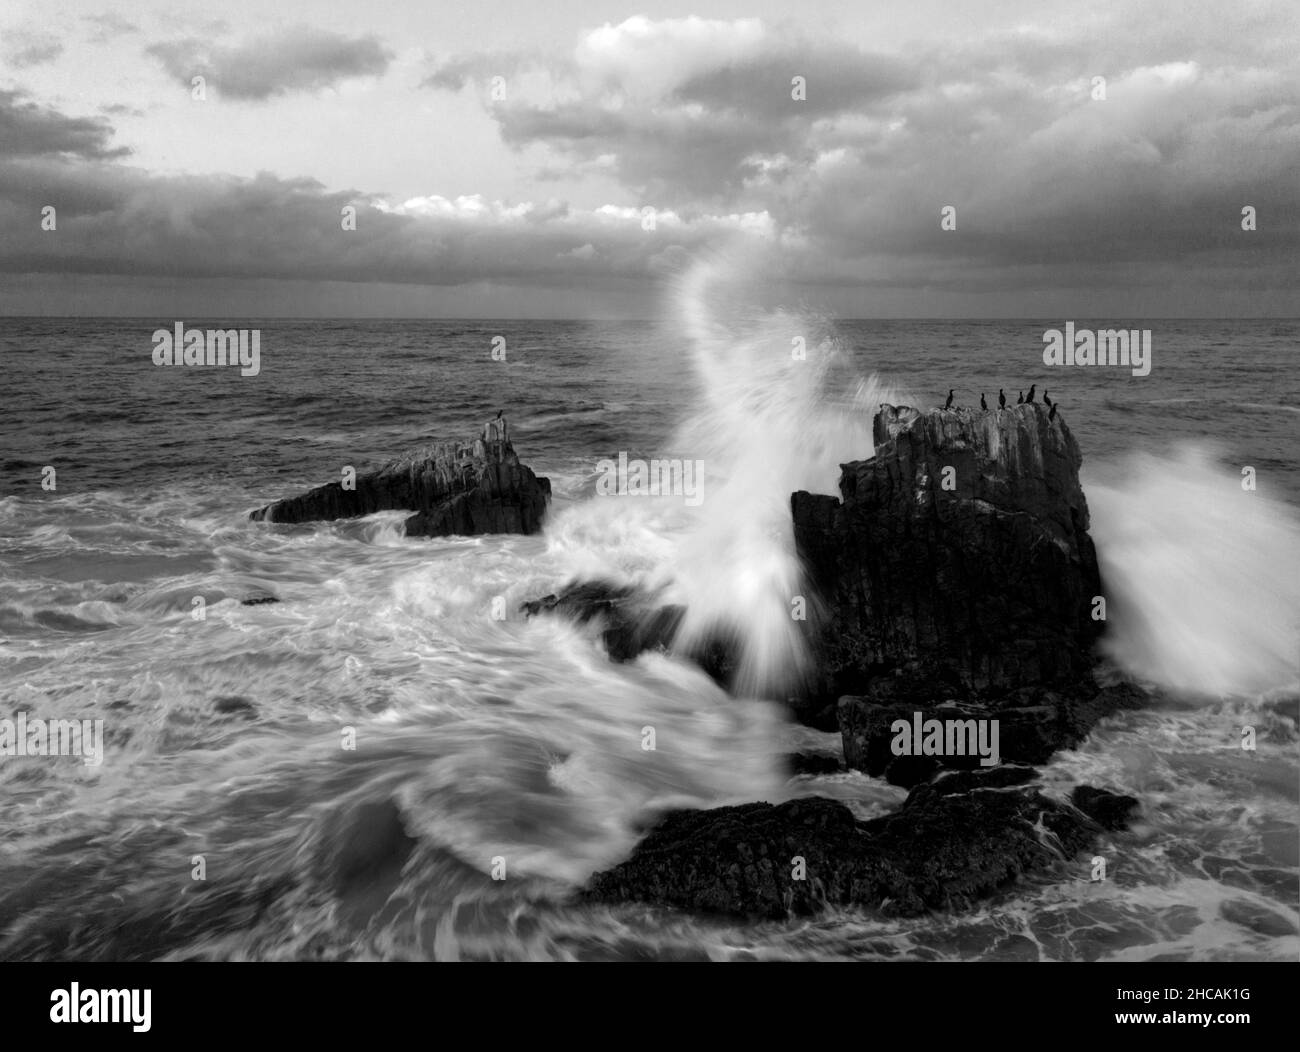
<point x="633" y="623"/>
<point x="258" y="600"/>
<point x="363" y="852"/>
<point x="947" y="847"/>
<point x="234" y="705"/>
<point x="1257" y="918"/>
<point x="1109" y="810"/>
<point x="957" y="580"/>
<point x="813" y="763"/>
<point x="1032" y="723"/>
<point x="989" y="584"/>
<point x="453" y="488"/>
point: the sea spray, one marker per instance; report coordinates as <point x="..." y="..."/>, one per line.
<point x="768" y="417"/>
<point x="1202" y="576"/>
<point x="772" y="405"/>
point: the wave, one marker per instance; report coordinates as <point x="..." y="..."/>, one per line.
<point x="1202" y="576"/>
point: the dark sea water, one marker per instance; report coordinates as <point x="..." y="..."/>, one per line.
<point x="506" y="742"/>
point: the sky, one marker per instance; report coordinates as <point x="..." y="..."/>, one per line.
<point x="569" y="159"/>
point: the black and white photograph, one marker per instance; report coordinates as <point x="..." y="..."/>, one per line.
<point x="677" y="484"/>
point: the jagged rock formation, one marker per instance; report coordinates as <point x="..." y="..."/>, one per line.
<point x="453" y="488"/>
<point x="631" y="622"/>
<point x="960" y="548"/>
<point x="1033" y="722"/>
<point x="952" y="843"/>
<point x="958" y="579"/>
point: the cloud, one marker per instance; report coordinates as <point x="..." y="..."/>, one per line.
<point x="698" y="114"/>
<point x="29" y="130"/>
<point x="291" y="60"/>
<point x="679" y="104"/>
<point x="695" y="119"/>
<point x="118" y="220"/>
<point x="108" y="26"/>
<point x="24" y="50"/>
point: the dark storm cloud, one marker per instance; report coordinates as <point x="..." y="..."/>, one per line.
<point x="1008" y="129"/>
<point x="297" y="59"/>
<point x="1053" y="188"/>
<point x="29" y="130"/>
<point x="117" y="220"/>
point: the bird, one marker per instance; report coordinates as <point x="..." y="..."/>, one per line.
<point x="948" y="404"/>
<point x="1002" y="399"/>
<point x="1047" y="401"/>
<point x="1052" y="413"/>
<point x="1021" y="399"/>
<point x="983" y="404"/>
<point x="1030" y="398"/>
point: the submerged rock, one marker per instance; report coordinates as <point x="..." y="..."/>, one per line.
<point x="1109" y="810"/>
<point x="234" y="705"/>
<point x="453" y="488"/>
<point x="952" y="843"/>
<point x="815" y="763"/>
<point x="258" y="600"/>
<point x="632" y="623"/>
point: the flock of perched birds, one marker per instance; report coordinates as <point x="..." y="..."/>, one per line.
<point x="1002" y="400"/>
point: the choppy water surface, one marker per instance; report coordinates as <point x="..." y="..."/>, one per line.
<point x="510" y="740"/>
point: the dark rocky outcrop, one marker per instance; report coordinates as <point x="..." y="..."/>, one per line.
<point x="633" y="622"/>
<point x="1109" y="810"/>
<point x="1033" y="723"/>
<point x="952" y="843"/>
<point x="815" y="763"/>
<point x="453" y="488"/>
<point x="957" y="579"/>
<point x="989" y="583"/>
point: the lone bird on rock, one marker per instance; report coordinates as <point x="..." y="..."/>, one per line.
<point x="1021" y="399"/>
<point x="948" y="404"/>
<point x="1031" y="394"/>
<point x="1002" y="399"/>
<point x="983" y="404"/>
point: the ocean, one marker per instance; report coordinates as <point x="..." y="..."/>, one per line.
<point x="499" y="762"/>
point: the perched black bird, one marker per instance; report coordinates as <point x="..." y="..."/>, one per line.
<point x="1046" y="401"/>
<point x="983" y="404"/>
<point x="1002" y="399"/>
<point x="1021" y="399"/>
<point x="948" y="404"/>
<point x="1052" y="415"/>
<point x="1031" y="393"/>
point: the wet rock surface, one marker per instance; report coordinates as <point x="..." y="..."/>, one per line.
<point x="952" y="843"/>
<point x="632" y="623"/>
<point x="1033" y="723"/>
<point x="453" y="488"/>
<point x="959" y="550"/>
